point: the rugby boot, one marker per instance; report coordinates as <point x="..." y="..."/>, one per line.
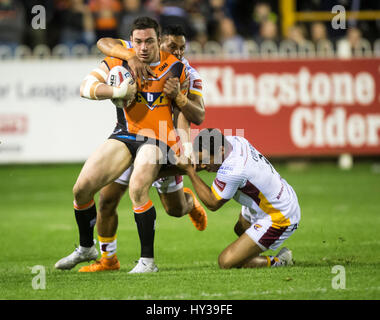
<point x="80" y="254"/>
<point x="104" y="264"/>
<point x="286" y="257"/>
<point x="144" y="265"/>
<point x="198" y="215"/>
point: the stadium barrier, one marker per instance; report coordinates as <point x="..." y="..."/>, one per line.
<point x="305" y="104"/>
<point x="212" y="49"/>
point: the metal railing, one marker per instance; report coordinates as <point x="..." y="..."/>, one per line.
<point x="285" y="49"/>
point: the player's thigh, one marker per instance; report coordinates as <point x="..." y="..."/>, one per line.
<point x="145" y="167"/>
<point x="238" y="252"/>
<point x="109" y="197"/>
<point x="106" y="164"/>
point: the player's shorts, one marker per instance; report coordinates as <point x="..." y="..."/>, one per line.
<point x="125" y="176"/>
<point x="168" y="184"/>
<point x="135" y="141"/>
<point x="163" y="185"/>
<point x="264" y="234"/>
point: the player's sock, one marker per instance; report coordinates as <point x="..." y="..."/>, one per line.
<point x="108" y="246"/>
<point x="85" y="216"/>
<point x="145" y="217"/>
<point x="273" y="261"/>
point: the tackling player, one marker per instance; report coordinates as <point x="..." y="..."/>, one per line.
<point x="138" y="135"/>
<point x="270" y="211"/>
<point x="177" y="201"/>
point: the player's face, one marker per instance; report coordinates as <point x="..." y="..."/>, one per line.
<point x="175" y="45"/>
<point x="146" y="45"/>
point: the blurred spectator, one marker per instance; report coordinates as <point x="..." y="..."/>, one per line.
<point x="217" y="11"/>
<point x="350" y="43"/>
<point x="318" y="32"/>
<point x="77" y="24"/>
<point x="262" y="12"/>
<point x="131" y="10"/>
<point x="12" y="23"/>
<point x="198" y="12"/>
<point x="297" y="34"/>
<point x="268" y="31"/>
<point x="173" y="13"/>
<point x="106" y="15"/>
<point x="228" y="36"/>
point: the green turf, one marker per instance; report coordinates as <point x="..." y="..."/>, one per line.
<point x="340" y="225"/>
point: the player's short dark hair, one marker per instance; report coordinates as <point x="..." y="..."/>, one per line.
<point x="209" y="139"/>
<point x="173" y="30"/>
<point x="142" y="23"/>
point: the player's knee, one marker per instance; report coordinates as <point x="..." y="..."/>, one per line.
<point x="138" y="193"/>
<point x="225" y="261"/>
<point x="81" y="192"/>
<point x="107" y="204"/>
<point x="177" y="212"/>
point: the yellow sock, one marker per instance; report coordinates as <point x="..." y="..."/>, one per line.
<point x="108" y="246"/>
<point x="273" y="261"/>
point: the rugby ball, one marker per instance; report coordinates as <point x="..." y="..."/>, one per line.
<point x="116" y="76"/>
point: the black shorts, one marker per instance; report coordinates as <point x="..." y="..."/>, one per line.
<point x="135" y="141"/>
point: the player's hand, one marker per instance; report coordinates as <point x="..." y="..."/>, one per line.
<point x="140" y="70"/>
<point x="184" y="163"/>
<point x="126" y="91"/>
<point x="172" y="88"/>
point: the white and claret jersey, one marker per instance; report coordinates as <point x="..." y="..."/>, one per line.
<point x="195" y="79"/>
<point x="248" y="177"/>
<point x="195" y="85"/>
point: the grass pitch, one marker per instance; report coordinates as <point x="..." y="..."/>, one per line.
<point x="340" y="225"/>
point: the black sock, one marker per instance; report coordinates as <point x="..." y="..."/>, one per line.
<point x="145" y="222"/>
<point x="86" y="220"/>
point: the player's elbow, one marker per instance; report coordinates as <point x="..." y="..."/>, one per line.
<point x="199" y="118"/>
<point x="211" y="207"/>
<point x="102" y="44"/>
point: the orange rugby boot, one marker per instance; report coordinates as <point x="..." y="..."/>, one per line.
<point x="198" y="215"/>
<point x="103" y="264"/>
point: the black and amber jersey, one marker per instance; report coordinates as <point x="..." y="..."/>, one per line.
<point x="151" y="113"/>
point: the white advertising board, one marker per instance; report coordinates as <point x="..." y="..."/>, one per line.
<point x="43" y="118"/>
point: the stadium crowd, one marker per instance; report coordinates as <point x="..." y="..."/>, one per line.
<point x="72" y="22"/>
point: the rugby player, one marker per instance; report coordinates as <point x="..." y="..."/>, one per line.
<point x="137" y="137"/>
<point x="270" y="211"/>
<point x="177" y="201"/>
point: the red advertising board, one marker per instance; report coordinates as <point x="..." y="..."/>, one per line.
<point x="296" y="107"/>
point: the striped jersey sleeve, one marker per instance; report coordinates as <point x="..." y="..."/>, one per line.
<point x="127" y="44"/>
<point x="195" y="85"/>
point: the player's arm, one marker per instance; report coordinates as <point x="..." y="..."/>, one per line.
<point x="209" y="198"/>
<point x="182" y="125"/>
<point x="115" y="48"/>
<point x="192" y="105"/>
<point x="194" y="109"/>
<point x="94" y="86"/>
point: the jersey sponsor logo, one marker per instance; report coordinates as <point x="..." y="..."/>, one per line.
<point x="220" y="184"/>
<point x="163" y="67"/>
<point x="280" y="193"/>
<point x="152" y="99"/>
<point x="197" y="84"/>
